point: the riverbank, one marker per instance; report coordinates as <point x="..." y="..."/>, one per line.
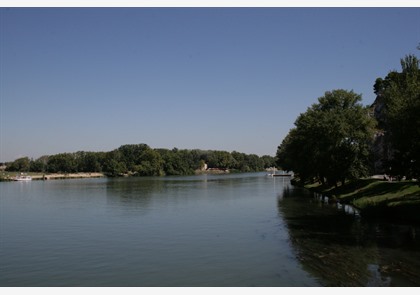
<point x="399" y="200"/>
<point x="8" y="176"/>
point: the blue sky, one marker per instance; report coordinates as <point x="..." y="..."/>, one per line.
<point x="93" y="79"/>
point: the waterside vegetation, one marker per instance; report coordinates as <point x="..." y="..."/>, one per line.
<point x="397" y="200"/>
<point x="338" y="143"/>
<point x="139" y="160"/>
<point x="338" y="138"/>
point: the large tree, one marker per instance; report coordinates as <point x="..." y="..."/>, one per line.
<point x="331" y="140"/>
<point x="397" y="110"/>
<point x="19" y="165"/>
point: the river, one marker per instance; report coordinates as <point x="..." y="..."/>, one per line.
<point x="237" y="230"/>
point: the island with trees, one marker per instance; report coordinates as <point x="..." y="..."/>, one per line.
<point x="141" y="160"/>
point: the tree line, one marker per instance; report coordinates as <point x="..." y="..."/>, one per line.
<point x="338" y="138"/>
<point x="142" y="160"/>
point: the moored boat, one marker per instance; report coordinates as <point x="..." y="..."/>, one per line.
<point x="22" y="177"/>
<point x="280" y="174"/>
<point x="284" y="175"/>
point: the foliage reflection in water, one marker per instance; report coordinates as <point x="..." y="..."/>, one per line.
<point x="226" y="230"/>
<point x="341" y="249"/>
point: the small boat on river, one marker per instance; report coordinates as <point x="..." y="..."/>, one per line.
<point x="22" y="177"/>
<point x="281" y="174"/>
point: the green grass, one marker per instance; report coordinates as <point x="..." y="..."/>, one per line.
<point x="399" y="199"/>
<point x="390" y="194"/>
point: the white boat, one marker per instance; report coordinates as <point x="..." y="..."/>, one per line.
<point x="281" y="174"/>
<point x="22" y="178"/>
<point x="271" y="174"/>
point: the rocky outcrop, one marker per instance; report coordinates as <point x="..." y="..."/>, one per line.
<point x="382" y="151"/>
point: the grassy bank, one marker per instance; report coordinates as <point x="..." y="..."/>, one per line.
<point x="377" y="198"/>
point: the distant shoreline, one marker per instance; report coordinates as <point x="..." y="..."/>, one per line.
<point x="53" y="176"/>
<point x="9" y="176"/>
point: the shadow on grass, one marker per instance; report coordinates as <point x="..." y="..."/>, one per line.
<point x="373" y="188"/>
<point x="378" y="198"/>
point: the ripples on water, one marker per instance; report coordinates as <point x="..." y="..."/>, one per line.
<point x="225" y="230"/>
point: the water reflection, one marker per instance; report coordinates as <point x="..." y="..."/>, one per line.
<point x="131" y="195"/>
<point x="141" y="190"/>
<point x="340" y="249"/>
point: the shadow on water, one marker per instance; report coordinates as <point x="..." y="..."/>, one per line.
<point x="341" y="249"/>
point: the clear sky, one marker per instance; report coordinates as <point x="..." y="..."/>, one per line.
<point x="93" y="79"/>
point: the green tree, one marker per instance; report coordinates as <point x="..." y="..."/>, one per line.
<point x="220" y="159"/>
<point x="254" y="162"/>
<point x="131" y="154"/>
<point x="36" y="166"/>
<point x="296" y="152"/>
<point x="331" y="140"/>
<point x="19" y="165"/>
<point x="151" y="164"/>
<point x="112" y="164"/>
<point x="399" y="94"/>
<point x="88" y="162"/>
<point x="268" y="161"/>
<point x="239" y="161"/>
<point x="63" y="163"/>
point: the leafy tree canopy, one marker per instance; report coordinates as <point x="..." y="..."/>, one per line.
<point x="400" y="94"/>
<point x="331" y="140"/>
<point x="142" y="160"/>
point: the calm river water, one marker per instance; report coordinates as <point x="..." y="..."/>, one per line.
<point x="208" y="230"/>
